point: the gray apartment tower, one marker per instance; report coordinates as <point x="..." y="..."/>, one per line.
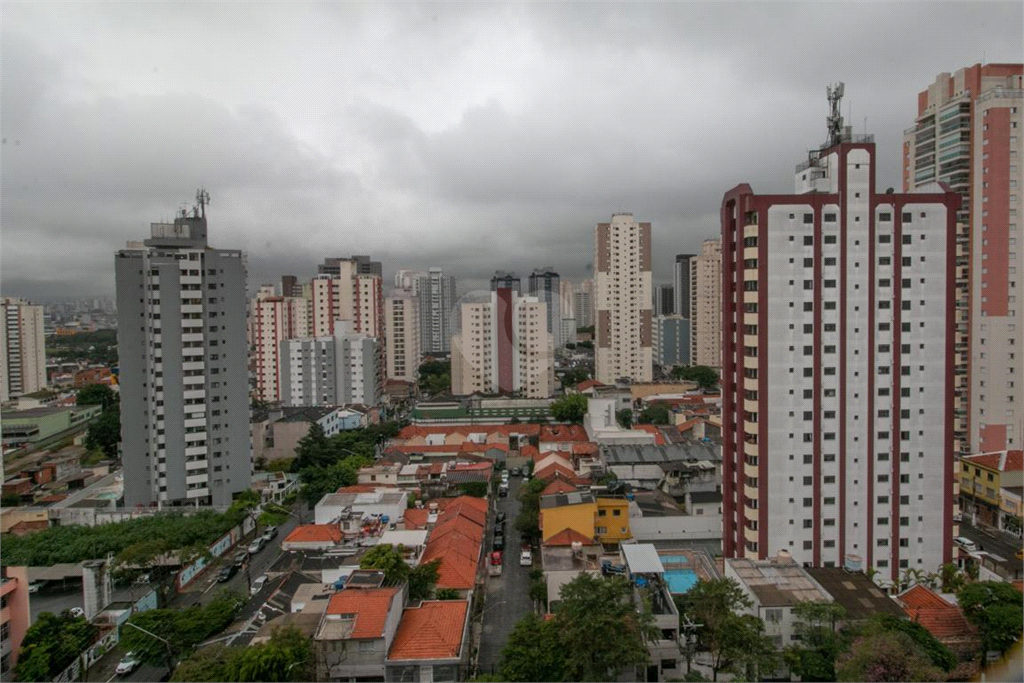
<point x="681" y="284"/>
<point x="184" y="377"/>
<point x="544" y="284"/>
<point x="436" y="292"/>
<point x="503" y="280"/>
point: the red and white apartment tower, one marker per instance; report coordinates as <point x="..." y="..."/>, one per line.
<point x="837" y="366"/>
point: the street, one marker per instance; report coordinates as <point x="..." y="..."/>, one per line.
<point x="993" y="542"/>
<point x="507" y="596"/>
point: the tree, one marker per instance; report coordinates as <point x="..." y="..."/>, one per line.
<point x="599" y="628"/>
<point x="624" y="417"/>
<point x="891" y="656"/>
<point x="10" y="500"/>
<point x="937" y="653"/>
<point x="422" y="580"/>
<point x="477" y="489"/>
<point x="287" y="656"/>
<point x="814" y="658"/>
<point x="140" y="558"/>
<point x="574" y="376"/>
<point x="312" y="449"/>
<point x="705" y="377"/>
<point x="387" y="558"/>
<point x="533" y="652"/>
<point x="104" y="432"/>
<point x="51" y="644"/>
<point x="528" y="520"/>
<point x="446" y="594"/>
<point x="995" y="608"/>
<point x="655" y="414"/>
<point x="712" y="604"/>
<point x="569" y="408"/>
<point x="951" y="579"/>
<point x="742" y="648"/>
<point x="210" y="663"/>
<point x="181" y="629"/>
<point x="96" y="395"/>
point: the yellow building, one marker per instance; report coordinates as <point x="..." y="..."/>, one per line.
<point x="605" y="520"/>
<point x="982" y="476"/>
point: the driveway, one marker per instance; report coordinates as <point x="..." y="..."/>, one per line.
<point x="506" y="597"/>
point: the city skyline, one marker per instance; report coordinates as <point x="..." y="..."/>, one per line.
<point x="448" y="128"/>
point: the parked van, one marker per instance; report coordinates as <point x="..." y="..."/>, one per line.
<point x="525" y="558"/>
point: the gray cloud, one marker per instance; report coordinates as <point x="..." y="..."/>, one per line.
<point x="471" y="136"/>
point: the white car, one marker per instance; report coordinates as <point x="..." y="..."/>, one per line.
<point x="526" y="558"/>
<point x="77" y="612"/>
<point x="35" y="586"/>
<point x="966" y="543"/>
<point x="256" y="546"/>
<point x="127" y="664"/>
<point x="257" y="584"/>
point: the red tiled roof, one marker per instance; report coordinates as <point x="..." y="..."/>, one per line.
<point x="415" y="519"/>
<point x="457" y="524"/>
<point x="689" y="424"/>
<point x="1000" y="461"/>
<point x="588" y="383"/>
<point x="413" y="431"/>
<point x="563" y="433"/>
<point x="529" y="451"/>
<point x="567" y="536"/>
<point x="308" y="533"/>
<point x="942" y="619"/>
<point x="558" y="485"/>
<point x="659" y="440"/>
<point x="431" y="631"/>
<point x="554" y="469"/>
<point x="470" y="501"/>
<point x="588" y="448"/>
<point x="1014" y="461"/>
<point x="369" y="605"/>
<point x="361" y="488"/>
<point x="459" y="556"/>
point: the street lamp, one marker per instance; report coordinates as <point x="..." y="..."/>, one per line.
<point x="170" y="653"/>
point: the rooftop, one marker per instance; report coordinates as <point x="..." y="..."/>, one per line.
<point x="777" y="583"/>
<point x="1002" y="461"/>
<point x="431" y="631"/>
<point x="855" y="592"/>
<point x="562" y="499"/>
<point x="684" y="451"/>
<point x="357" y="614"/>
<point x="315" y="533"/>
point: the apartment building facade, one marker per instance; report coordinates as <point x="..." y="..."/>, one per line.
<point x="544" y="284"/>
<point x="968" y="135"/>
<point x="272" y="319"/>
<point x="183" y="373"/>
<point x="22" y="349"/>
<point x="341" y="369"/>
<point x="504" y="346"/>
<point x="402" y="328"/>
<point x="681" y="279"/>
<point x="623" y="300"/>
<point x="706" y="305"/>
<point x="837" y="383"/>
<point x="437" y="296"/>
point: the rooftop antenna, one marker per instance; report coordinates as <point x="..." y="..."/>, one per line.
<point x="202" y="199"/>
<point x="835" y="118"/>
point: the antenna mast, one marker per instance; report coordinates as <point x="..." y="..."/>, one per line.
<point x="835" y="118"/>
<point x="202" y="199"/>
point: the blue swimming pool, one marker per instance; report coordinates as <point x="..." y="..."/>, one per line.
<point x="680" y="580"/>
<point x="674" y="559"/>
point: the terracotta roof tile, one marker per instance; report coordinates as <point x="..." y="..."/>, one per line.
<point x="563" y="433"/>
<point x="558" y="485"/>
<point x="459" y="561"/>
<point x="314" y="533"/>
<point x="589" y="383"/>
<point x="369" y="605"/>
<point x="416" y="519"/>
<point x="431" y="631"/>
<point x="567" y="536"/>
<point x="943" y="620"/>
<point x="659" y="440"/>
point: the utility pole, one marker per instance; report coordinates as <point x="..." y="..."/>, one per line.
<point x="170" y="653"/>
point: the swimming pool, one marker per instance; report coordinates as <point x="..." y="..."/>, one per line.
<point x="674" y="559"/>
<point x="680" y="580"/>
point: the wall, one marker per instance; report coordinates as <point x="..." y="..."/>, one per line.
<point x="577" y="517"/>
<point x="677" y="528"/>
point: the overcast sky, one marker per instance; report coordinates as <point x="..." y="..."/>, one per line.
<point x="473" y="137"/>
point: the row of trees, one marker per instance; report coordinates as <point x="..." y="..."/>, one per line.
<point x="104" y="433"/>
<point x="52" y="644"/>
<point x="286" y="656"/>
<point x="435" y="377"/>
<point x="99" y="347"/>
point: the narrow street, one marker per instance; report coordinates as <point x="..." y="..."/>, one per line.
<point x="507" y="597"/>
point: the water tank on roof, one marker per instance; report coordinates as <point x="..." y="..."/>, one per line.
<point x="852" y="563"/>
<point x="577" y="548"/>
<point x="340" y="583"/>
<point x="384" y="519"/>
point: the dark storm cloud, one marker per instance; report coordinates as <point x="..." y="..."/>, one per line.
<point x="471" y="136"/>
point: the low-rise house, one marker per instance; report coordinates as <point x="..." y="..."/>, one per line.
<point x="276" y="432"/>
<point x="603" y="518"/>
<point x="647" y="574"/>
<point x="457" y="540"/>
<point x="380" y="474"/>
<point x="432" y="643"/>
<point x="356" y="632"/>
<point x="858" y="595"/>
<point x="384" y="502"/>
<point x="774" y="586"/>
<point x="982" y="477"/>
<point x="313" y="537"/>
<point x="274" y="486"/>
<point x="412" y="542"/>
<point x="943" y="619"/>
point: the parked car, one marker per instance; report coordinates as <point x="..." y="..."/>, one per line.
<point x="127" y="664"/>
<point x="269" y="533"/>
<point x="503" y="491"/>
<point x="257" y="585"/>
<point x="35" y="586"/>
<point x="526" y="557"/>
<point x="240" y="557"/>
<point x="499" y="518"/>
<point x="226" y="572"/>
<point x="499" y="543"/>
<point x="966" y="543"/>
<point x="516" y="472"/>
<point x="256" y="545"/>
<point x="77" y="612"/>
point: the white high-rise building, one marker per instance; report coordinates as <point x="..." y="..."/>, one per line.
<point x="22" y="349"/>
<point x="706" y="305"/>
<point x="837" y="382"/>
<point x="181" y="310"/>
<point x="623" y="299"/>
<point x="504" y="346"/>
<point x="273" y="318"/>
<point x="402" y="326"/>
<point x="343" y="368"/>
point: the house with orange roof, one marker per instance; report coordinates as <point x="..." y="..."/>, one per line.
<point x="941" y="618"/>
<point x="982" y="476"/>
<point x="587" y="387"/>
<point x="356" y="631"/>
<point x="603" y="518"/>
<point x="313" y="537"/>
<point x="432" y="643"/>
<point x="558" y="485"/>
<point x="457" y="540"/>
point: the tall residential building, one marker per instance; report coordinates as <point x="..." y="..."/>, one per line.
<point x="544" y="284"/>
<point x="340" y="369"/>
<point x="967" y="135"/>
<point x="671" y="341"/>
<point x="290" y="286"/>
<point x="503" y="280"/>
<point x="348" y="289"/>
<point x="622" y="300"/>
<point x="402" y="327"/>
<point x="437" y="295"/>
<point x="837" y="389"/>
<point x="504" y="346"/>
<point x="181" y="338"/>
<point x="681" y="284"/>
<point x="409" y="279"/>
<point x="664" y="300"/>
<point x="583" y="308"/>
<point x="273" y="318"/>
<point x="22" y="349"/>
<point x="706" y="305"/>
<point x="362" y="265"/>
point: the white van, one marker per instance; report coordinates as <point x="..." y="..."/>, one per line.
<point x="966" y="543"/>
<point x="525" y="558"/>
